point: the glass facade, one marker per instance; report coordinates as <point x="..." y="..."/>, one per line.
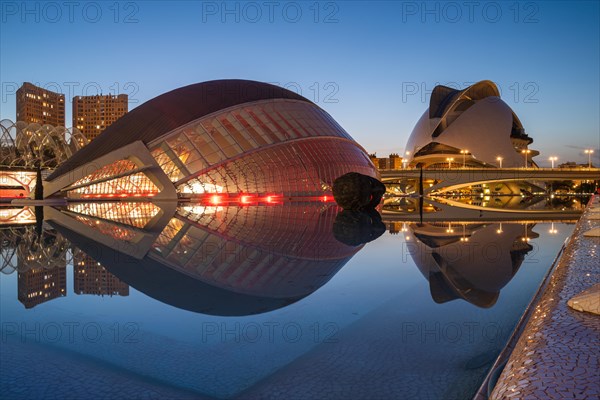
<point x="219" y="153"/>
<point x="117" y="168"/>
<point x="128" y="181"/>
<point x="270" y="147"/>
<point x="119" y="232"/>
<point x="136" y="214"/>
<point x="255" y="249"/>
<point x="301" y="168"/>
<point x="135" y="185"/>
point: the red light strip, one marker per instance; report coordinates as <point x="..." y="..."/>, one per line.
<point x="216" y="199"/>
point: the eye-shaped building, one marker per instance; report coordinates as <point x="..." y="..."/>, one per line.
<point x="233" y="137"/>
<point x="471" y="126"/>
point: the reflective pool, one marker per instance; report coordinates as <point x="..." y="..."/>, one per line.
<point x="294" y="300"/>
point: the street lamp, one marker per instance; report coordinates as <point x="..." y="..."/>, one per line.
<point x="464" y="153"/>
<point x="405" y="159"/>
<point x="449" y="159"/>
<point x="589" y="152"/>
<point x="499" y="160"/>
<point x="525" y="152"/>
<point x="552" y="159"/>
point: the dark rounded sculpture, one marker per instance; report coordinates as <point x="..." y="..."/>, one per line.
<point x="358" y="227"/>
<point x="354" y="191"/>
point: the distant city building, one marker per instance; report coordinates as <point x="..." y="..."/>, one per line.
<point x="40" y="106"/>
<point x="39" y="285"/>
<point x="394" y="161"/>
<point x="89" y="277"/>
<point x="573" y="165"/>
<point x="93" y="114"/>
<point x="394" y="227"/>
<point x="471" y="127"/>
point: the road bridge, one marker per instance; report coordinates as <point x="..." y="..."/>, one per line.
<point x="452" y="179"/>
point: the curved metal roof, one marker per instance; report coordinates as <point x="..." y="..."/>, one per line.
<point x="171" y="110"/>
<point x="443" y="97"/>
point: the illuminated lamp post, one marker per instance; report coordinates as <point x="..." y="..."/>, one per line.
<point x="525" y="152"/>
<point x="499" y="160"/>
<point x="589" y="152"/>
<point x="464" y="153"/>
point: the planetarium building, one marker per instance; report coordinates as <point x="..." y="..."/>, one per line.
<point x="471" y="126"/>
<point x="229" y="137"/>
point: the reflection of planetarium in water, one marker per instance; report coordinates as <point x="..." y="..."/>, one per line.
<point x="228" y="136"/>
<point x="470" y="262"/>
<point x="473" y="120"/>
<point x="213" y="260"/>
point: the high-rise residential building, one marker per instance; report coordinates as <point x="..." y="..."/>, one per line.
<point x="41" y="106"/>
<point x="93" y="114"/>
<point x="89" y="277"/>
<point x="38" y="285"/>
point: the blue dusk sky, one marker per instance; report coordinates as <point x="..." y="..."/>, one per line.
<point x="371" y="65"/>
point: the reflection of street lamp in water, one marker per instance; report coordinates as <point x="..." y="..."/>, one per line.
<point x="464" y="237"/>
<point x="499" y="230"/>
<point x="525" y="238"/>
<point x="552" y="231"/>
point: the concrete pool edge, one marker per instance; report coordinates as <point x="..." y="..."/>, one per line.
<point x="550" y="333"/>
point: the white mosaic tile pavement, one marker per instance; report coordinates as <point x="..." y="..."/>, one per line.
<point x="588" y="300"/>
<point x="557" y="356"/>
<point x="592" y="233"/>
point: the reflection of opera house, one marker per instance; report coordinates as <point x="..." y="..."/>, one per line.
<point x="472" y="125"/>
<point x="473" y="262"/>
<point x="228" y="136"/>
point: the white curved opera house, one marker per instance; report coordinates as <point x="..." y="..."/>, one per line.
<point x="471" y="126"/>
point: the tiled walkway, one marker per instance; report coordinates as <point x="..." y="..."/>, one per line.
<point x="557" y="356"/>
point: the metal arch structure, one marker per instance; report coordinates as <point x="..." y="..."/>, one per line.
<point x="25" y="145"/>
<point x="9" y="155"/>
<point x="23" y="249"/>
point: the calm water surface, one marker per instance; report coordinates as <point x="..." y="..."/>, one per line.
<point x="263" y="301"/>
